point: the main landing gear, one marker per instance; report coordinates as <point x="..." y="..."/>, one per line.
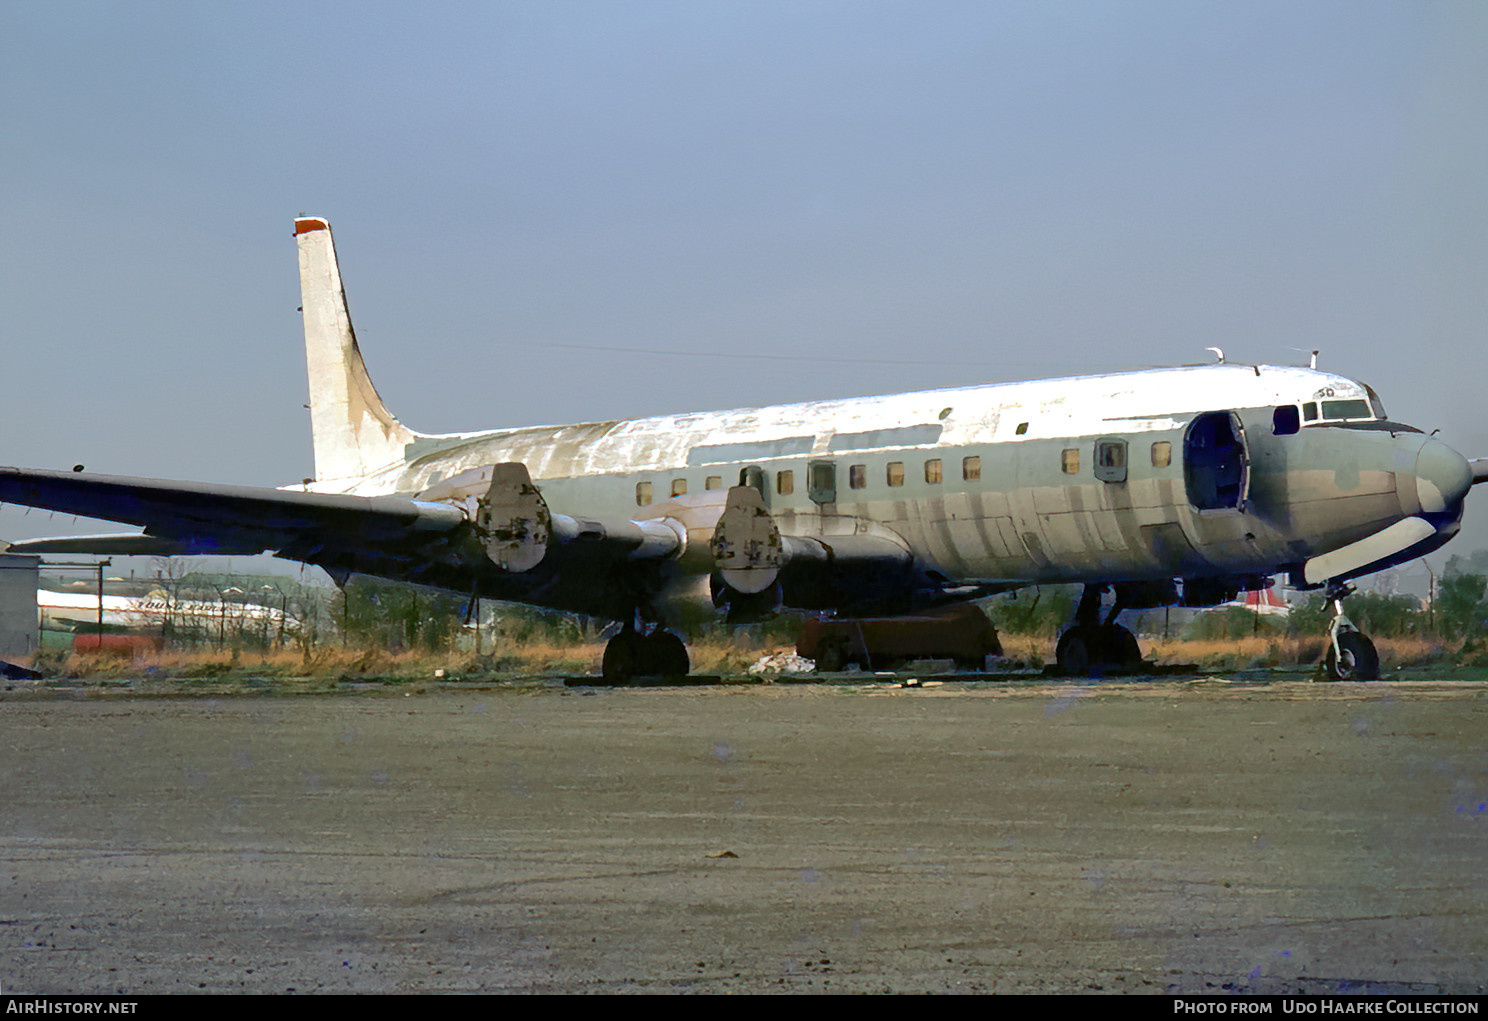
<point x="1351" y="656"/>
<point x="631" y="654"/>
<point x="1091" y="648"/>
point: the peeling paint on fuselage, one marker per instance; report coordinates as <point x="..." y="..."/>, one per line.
<point x="1022" y="518"/>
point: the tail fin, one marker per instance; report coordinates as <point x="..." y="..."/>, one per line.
<point x="354" y="434"/>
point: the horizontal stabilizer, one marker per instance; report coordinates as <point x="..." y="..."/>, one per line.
<point x="1353" y="558"/>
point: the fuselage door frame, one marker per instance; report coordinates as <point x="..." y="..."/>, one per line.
<point x="1239" y="427"/>
<point x="1216" y="462"/>
<point x="821" y="482"/>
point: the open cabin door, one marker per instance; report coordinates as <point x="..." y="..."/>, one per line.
<point x="1216" y="462"/>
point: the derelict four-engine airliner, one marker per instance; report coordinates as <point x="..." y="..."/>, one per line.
<point x="1159" y="486"/>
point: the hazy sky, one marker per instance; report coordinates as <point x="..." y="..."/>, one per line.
<point x="891" y="195"/>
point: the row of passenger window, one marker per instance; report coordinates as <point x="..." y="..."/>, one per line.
<point x="857" y="478"/>
<point x="1110" y="454"/>
<point x="857" y="474"/>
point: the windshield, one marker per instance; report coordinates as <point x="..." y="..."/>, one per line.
<point x="1353" y="409"/>
<point x="1334" y="411"/>
<point x="1375" y="403"/>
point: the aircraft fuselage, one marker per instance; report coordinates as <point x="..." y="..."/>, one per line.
<point x="1193" y="472"/>
<point x="1206" y="477"/>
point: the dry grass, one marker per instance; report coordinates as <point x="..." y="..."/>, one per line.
<point x="709" y="656"/>
<point x="333" y="663"/>
<point x="1027" y="650"/>
<point x="1259" y="653"/>
<point x="1284" y="652"/>
<point x="1238" y="653"/>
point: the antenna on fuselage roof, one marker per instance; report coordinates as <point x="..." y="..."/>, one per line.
<point x="1218" y="354"/>
<point x="1311" y="356"/>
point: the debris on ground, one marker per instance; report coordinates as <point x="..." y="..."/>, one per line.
<point x="778" y="663"/>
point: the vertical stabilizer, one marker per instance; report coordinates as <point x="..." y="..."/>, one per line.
<point x="354" y="433"/>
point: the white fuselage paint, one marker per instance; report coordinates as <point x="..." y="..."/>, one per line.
<point x="57" y="609"/>
<point x="1023" y="519"/>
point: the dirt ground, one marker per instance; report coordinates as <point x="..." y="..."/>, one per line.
<point x="1123" y="837"/>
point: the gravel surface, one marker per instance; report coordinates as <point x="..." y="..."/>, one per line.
<point x="1033" y="837"/>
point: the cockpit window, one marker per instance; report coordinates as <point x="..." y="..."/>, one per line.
<point x="1351" y="410"/>
<point x="1375" y="403"/>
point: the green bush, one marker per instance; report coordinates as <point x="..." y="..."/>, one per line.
<point x="1231" y="623"/>
<point x="1460" y="605"/>
<point x="1042" y="611"/>
<point x="1375" y="613"/>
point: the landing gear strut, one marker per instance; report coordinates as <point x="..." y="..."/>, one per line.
<point x="631" y="654"/>
<point x="1091" y="648"/>
<point x="1351" y="656"/>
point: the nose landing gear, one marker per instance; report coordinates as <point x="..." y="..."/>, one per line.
<point x="1351" y="656"/>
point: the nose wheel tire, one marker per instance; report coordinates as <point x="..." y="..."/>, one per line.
<point x="1355" y="658"/>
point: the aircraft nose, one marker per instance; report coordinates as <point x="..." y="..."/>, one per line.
<point x="1443" y="477"/>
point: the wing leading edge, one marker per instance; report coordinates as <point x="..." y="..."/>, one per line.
<point x="197" y="517"/>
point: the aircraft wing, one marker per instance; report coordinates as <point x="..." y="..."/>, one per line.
<point x="506" y="545"/>
<point x="195" y="517"/>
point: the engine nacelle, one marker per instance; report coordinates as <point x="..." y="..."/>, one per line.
<point x="757" y="570"/>
<point x="512" y="520"/>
